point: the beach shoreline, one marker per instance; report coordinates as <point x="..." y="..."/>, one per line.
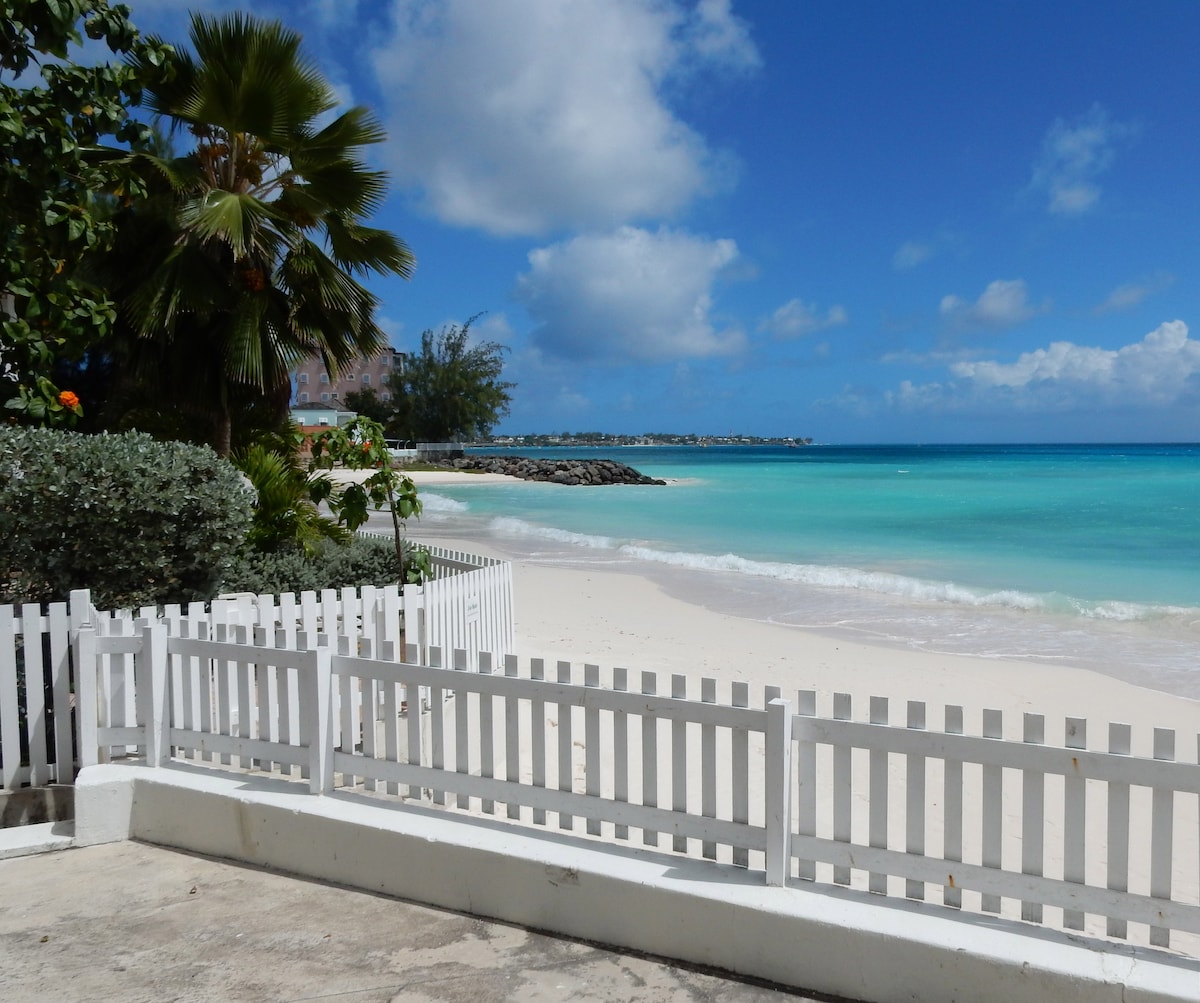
<point x="615" y="616"/>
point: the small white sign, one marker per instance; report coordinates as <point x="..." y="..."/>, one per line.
<point x="472" y="609"/>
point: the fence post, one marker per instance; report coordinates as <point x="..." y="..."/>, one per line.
<point x="80" y="608"/>
<point x="779" y="791"/>
<point x="157" y="709"/>
<point x="320" y="727"/>
<point x="85" y="691"/>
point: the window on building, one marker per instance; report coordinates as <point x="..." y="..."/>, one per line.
<point x="304" y="398"/>
<point x="323" y="421"/>
<point x="334" y="396"/>
<point x="324" y="377"/>
<point x="366" y="380"/>
<point x="303" y="378"/>
<point x="385" y="396"/>
<point x="324" y="397"/>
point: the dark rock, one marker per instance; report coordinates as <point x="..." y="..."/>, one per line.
<point x="570" y="472"/>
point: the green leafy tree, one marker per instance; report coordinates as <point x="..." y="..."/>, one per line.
<point x="367" y="403"/>
<point x="359" y="445"/>
<point x="451" y="390"/>
<point x="57" y="181"/>
<point x="246" y="260"/>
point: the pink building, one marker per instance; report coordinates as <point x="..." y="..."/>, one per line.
<point x="313" y="384"/>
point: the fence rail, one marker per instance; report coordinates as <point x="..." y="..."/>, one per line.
<point x="467" y="604"/>
<point x="1056" y="834"/>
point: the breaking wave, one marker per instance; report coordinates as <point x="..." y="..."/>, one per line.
<point x="904" y="587"/>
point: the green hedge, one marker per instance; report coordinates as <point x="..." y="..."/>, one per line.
<point x="135" y="520"/>
<point x="362" y="561"/>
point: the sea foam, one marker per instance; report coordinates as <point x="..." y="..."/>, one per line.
<point x="836" y="577"/>
<point x="434" y="503"/>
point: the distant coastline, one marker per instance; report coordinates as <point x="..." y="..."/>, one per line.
<point x="606" y="439"/>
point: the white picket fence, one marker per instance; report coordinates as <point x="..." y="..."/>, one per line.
<point x="467" y="603"/>
<point x="36" y="732"/>
<point x="1098" y="840"/>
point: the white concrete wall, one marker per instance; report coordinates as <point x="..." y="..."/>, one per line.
<point x="831" y="941"/>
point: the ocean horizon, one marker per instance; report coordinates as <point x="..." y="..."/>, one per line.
<point x="1086" y="555"/>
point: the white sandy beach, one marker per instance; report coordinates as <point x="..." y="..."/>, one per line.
<point x="617" y="619"/>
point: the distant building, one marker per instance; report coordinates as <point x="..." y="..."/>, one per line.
<point x="311" y="416"/>
<point x="316" y="418"/>
<point x="314" y="386"/>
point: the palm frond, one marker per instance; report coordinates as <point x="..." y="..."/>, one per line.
<point x="241" y="222"/>
<point x="365" y="249"/>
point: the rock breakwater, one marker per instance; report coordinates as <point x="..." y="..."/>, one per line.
<point x="571" y="472"/>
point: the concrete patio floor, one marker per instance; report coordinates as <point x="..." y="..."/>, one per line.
<point x="129" y="921"/>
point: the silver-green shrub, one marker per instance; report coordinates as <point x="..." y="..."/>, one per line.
<point x="135" y="520"/>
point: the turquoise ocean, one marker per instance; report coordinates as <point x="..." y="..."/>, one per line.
<point x="1085" y="555"/>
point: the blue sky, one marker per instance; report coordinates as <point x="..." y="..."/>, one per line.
<point x="860" y="222"/>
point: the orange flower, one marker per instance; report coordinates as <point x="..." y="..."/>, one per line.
<point x="68" y="398"/>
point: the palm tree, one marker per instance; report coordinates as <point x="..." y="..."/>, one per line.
<point x="246" y="260"/>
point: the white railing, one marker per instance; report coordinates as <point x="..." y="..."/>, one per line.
<point x="893" y="809"/>
<point x="1004" y="824"/>
<point x="468" y="604"/>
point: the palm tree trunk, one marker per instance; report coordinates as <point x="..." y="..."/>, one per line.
<point x="223" y="439"/>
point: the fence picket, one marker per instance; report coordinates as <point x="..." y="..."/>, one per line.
<point x="1162" y="833"/>
<point x="487" y="736"/>
<point x="462" y="734"/>
<point x="649" y="757"/>
<point x="35" y="695"/>
<point x="512" y="735"/>
<point x="417" y="735"/>
<point x="1118" y="826"/>
<point x="537" y="673"/>
<point x="1074" y="819"/>
<point x="620" y="764"/>
<point x="1033" y="810"/>
<point x="679" y="760"/>
<point x="708" y="766"/>
<point x="842" y="786"/>
<point x="915" y="808"/>
<point x="806" y="779"/>
<point x="993" y="807"/>
<point x="58" y="624"/>
<point x="591" y="744"/>
<point x="740" y="738"/>
<point x="10" y="726"/>
<point x="878" y="794"/>
<point x="566" y="773"/>
<point x="437" y="727"/>
<point x="952" y="812"/>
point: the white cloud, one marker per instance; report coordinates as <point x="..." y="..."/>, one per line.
<point x="1155" y="370"/>
<point x="716" y="35"/>
<point x="629" y="295"/>
<point x="910" y="254"/>
<point x="1161" y="369"/>
<point x="526" y="117"/>
<point x="1129" y="295"/>
<point x="795" y="319"/>
<point x="1073" y="156"/>
<point x="1004" y="303"/>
